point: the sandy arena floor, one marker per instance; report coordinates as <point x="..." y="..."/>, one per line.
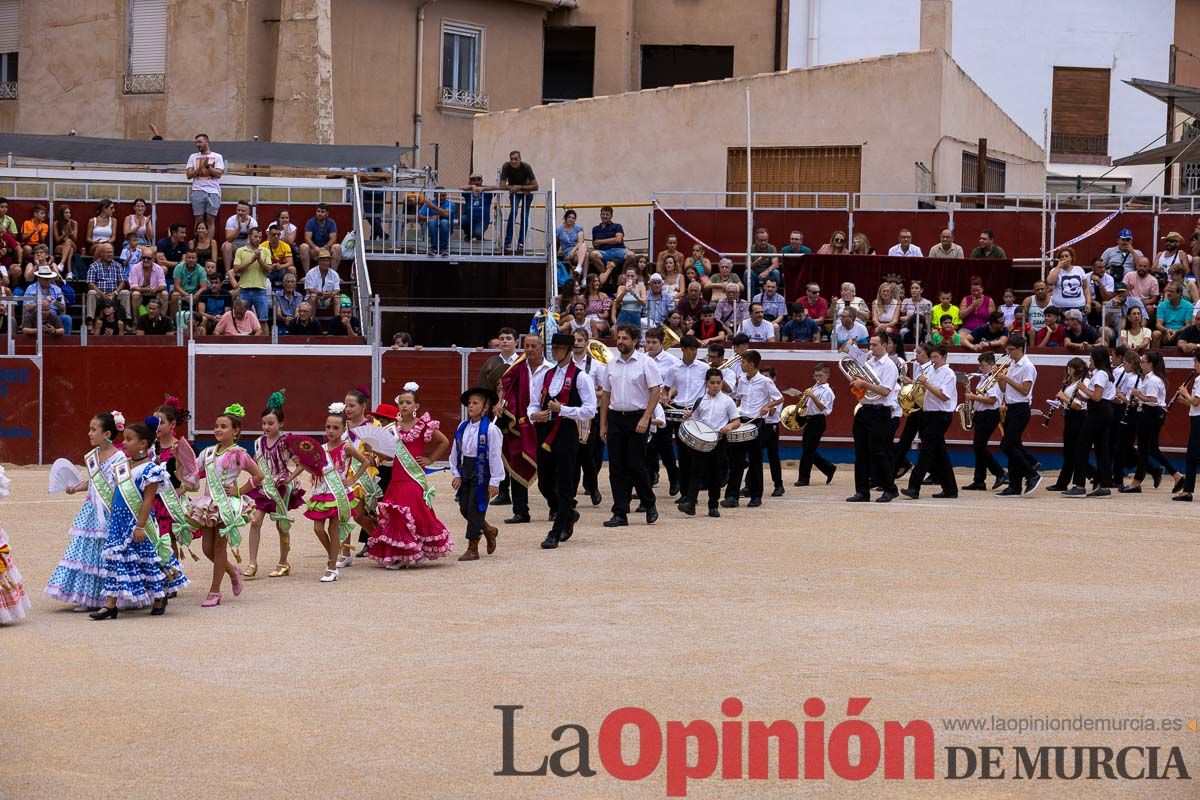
<point x="382" y="685"/>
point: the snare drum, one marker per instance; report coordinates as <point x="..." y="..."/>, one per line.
<point x="746" y="432"/>
<point x="698" y="436"/>
<point x="675" y="413"/>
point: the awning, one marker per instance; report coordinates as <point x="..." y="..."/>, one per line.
<point x="1186" y="98"/>
<point x="1163" y="154"/>
<point x="88" y="150"/>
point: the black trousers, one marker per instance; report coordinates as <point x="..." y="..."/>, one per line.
<point x="686" y="456"/>
<point x="986" y="422"/>
<point x="934" y="457"/>
<point x="746" y="458"/>
<point x="468" y="501"/>
<point x="585" y="464"/>
<point x="557" y="471"/>
<point x="519" y="493"/>
<point x="1020" y="462"/>
<point x="1122" y="435"/>
<point x="1193" y="455"/>
<point x="1073" y="425"/>
<point x="708" y="470"/>
<point x="385" y="478"/>
<point x="813" y="431"/>
<point x="663" y="449"/>
<point x="627" y="461"/>
<point x="769" y="433"/>
<point x="872" y="448"/>
<point x="546" y="478"/>
<point x="1149" y="425"/>
<point x="1095" y="438"/>
<point x="912" y="426"/>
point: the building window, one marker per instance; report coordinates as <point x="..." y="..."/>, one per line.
<point x="790" y="177"/>
<point x="462" y="67"/>
<point x="10" y="43"/>
<point x="1079" y="119"/>
<point x="146" y="66"/>
<point x="568" y="63"/>
<point x="671" y="65"/>
<point x="993" y="176"/>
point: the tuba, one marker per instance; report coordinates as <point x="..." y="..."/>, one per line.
<point x="912" y="395"/>
<point x="670" y="338"/>
<point x="852" y="370"/>
<point x="599" y="351"/>
<point x="795" y="416"/>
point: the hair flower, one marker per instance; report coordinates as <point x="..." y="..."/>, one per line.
<point x="119" y="419"/>
<point x="412" y="386"/>
<point x="337" y="408"/>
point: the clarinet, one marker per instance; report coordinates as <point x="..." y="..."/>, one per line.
<point x="1175" y="397"/>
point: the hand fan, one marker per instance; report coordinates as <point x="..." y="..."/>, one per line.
<point x="308" y="452"/>
<point x="63" y="475"/>
<point x="186" y="469"/>
<point x="380" y="441"/>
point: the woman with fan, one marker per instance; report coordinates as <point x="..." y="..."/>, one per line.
<point x="13" y="600"/>
<point x="409" y="531"/>
<point x="223" y="509"/>
<point x="277" y="495"/>
<point x="179" y="460"/>
<point x="78" y="579"/>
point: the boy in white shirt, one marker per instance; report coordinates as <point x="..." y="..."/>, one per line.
<point x="717" y="411"/>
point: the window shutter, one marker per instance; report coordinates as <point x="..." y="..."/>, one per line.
<point x="10" y="26"/>
<point x="1079" y="119"/>
<point x="147" y="37"/>
<point x="795" y="171"/>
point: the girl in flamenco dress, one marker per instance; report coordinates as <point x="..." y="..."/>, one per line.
<point x="139" y="567"/>
<point x="409" y="531"/>
<point x="178" y="458"/>
<point x="277" y="495"/>
<point x="13" y="600"/>
<point x="77" y="580"/>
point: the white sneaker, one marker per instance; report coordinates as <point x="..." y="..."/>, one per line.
<point x="330" y="576"/>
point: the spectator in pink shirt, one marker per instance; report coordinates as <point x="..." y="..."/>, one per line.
<point x="1141" y="284"/>
<point x="238" y="321"/>
<point x="147" y="281"/>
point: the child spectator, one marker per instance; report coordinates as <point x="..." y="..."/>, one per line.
<point x="946" y="308"/>
<point x="945" y="334"/>
<point x="34" y="231"/>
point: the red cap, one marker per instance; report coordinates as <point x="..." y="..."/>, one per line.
<point x="386" y="410"/>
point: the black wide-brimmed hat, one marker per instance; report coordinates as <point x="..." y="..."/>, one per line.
<point x="483" y="392"/>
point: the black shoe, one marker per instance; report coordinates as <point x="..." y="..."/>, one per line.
<point x="551" y="540"/>
<point x="1037" y="466"/>
<point x="1033" y="483"/>
<point x="1058" y="487"/>
<point x="158" y="611"/>
<point x="1183" y="497"/>
<point x="755" y="502"/>
<point x="713" y="512"/>
<point x="596" y="498"/>
<point x="829" y="476"/>
<point x="1002" y="480"/>
<point x="975" y="486"/>
<point x="858" y="497"/>
<point x="570" y="531"/>
<point x="688" y="508"/>
<point x="651" y="515"/>
<point x="1075" y="491"/>
<point x="729" y="502"/>
<point x="910" y="494"/>
<point x="800" y="483"/>
<point x="1100" y="492"/>
<point x="945" y="495"/>
<point x="502" y="499"/>
<point x="903" y="469"/>
<point x="1157" y="474"/>
<point x="517" y="519"/>
<point x="553" y="514"/>
<point x="929" y="481"/>
<point x="886" y="497"/>
<point x="1130" y="490"/>
<point x="778" y="492"/>
<point x="674" y="490"/>
<point x="617" y="521"/>
<point x="641" y="509"/>
<point x="1178" y="487"/>
<point x="111" y="613"/>
<point x="1008" y="491"/>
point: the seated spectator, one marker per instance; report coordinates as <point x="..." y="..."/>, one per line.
<point x="945" y="334"/>
<point x="675" y="323"/>
<point x="578" y="320"/>
<point x="141" y="225"/>
<point x="1009" y="307"/>
<point x="34" y="231"/>
<point x="169" y="252"/>
<point x="41" y="255"/>
<point x="147" y="281"/>
<point x="1172" y="316"/>
<point x="795" y="247"/>
<point x="987" y="246"/>
<point x="1172" y="254"/>
<point x="630" y="300"/>
<point x="724" y="278"/>
<point x="106" y="280"/>
<point x="945" y="308"/>
<point x="1117" y="310"/>
<point x="215" y="298"/>
<point x="287" y="300"/>
<point x="1052" y="334"/>
<point x="690" y="275"/>
<point x="800" y="327"/>
<point x="708" y="328"/>
<point x="402" y="340"/>
<point x="885" y="309"/>
<point x="658" y="303"/>
<point x="816" y="306"/>
<point x="1079" y="336"/>
<point x="238" y="321"/>
<point x="672" y="250"/>
<point x="45" y="292"/>
<point x="672" y="275"/>
<point x="288" y="231"/>
<point x="905" y="247"/>
<point x="946" y="248"/>
<point x="732" y="310"/>
<point x="188" y="278"/>
<point x="345" y="323"/>
<point x="703" y="265"/>
<point x="237" y="232"/>
<point x="281" y="256"/>
<point x="572" y="247"/>
<point x="757" y="327"/>
<point x="1178" y="274"/>
<point x="51" y="321"/>
<point x="641" y="267"/>
<point x="477" y="202"/>
<point x="1103" y="287"/>
<point x="691" y="304"/>
<point x="10" y="257"/>
<point x="1019" y="326"/>
<point x="774" y="306"/>
<point x="101" y="228"/>
<point x="108" y="323"/>
<point x="323" y="284"/>
<point x="153" y="323"/>
<point x="850" y="299"/>
<point x="1119" y="259"/>
<point x="599" y="305"/>
<point x="7" y="224"/>
<point x="976" y="308"/>
<point x="1136" y="335"/>
<point x="1036" y="304"/>
<point x="608" y="239"/>
<point x="251" y="266"/>
<point x="764" y="262"/>
<point x="835" y="246"/>
<point x="436" y="212"/>
<point x="915" y="313"/>
<point x="1188" y="340"/>
<point x="205" y="248"/>
<point x="66" y="238"/>
<point x="992" y="336"/>
<point x="849" y="330"/>
<point x="304" y="323"/>
<point x="1142" y="285"/>
<point x="131" y="252"/>
<point x="860" y="245"/>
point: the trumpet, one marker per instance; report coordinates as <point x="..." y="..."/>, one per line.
<point x="735" y="359"/>
<point x="1003" y="364"/>
<point x="856" y="371"/>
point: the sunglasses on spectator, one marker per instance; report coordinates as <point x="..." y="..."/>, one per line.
<point x="838" y="241"/>
<point x="813" y="291"/>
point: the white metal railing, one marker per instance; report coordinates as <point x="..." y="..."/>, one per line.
<point x="463" y="98"/>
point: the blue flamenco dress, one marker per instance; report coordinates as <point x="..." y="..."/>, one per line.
<point x="133" y="572"/>
<point x="77" y="579"/>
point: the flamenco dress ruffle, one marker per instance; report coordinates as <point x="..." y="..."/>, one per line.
<point x="13" y="600"/>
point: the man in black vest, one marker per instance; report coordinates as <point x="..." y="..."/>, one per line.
<point x="560" y="399"/>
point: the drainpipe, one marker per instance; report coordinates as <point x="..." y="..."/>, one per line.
<point x="778" y="35"/>
<point x="814" y="16"/>
<point x="420" y="76"/>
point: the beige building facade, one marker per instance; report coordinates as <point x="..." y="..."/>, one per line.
<point x="356" y="71"/>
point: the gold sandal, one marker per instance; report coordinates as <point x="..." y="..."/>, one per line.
<point x="281" y="570"/>
<point x="250" y="570"/>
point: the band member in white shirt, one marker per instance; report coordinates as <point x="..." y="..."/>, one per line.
<point x="756" y="395"/>
<point x="921" y="366"/>
<point x="1189" y="394"/>
<point x="663" y="441"/>
<point x="591" y="451"/>
<point x="1151" y="399"/>
<point x="986" y="407"/>
<point x="717" y="410"/>
<point x="941" y="398"/>
<point x="873" y="427"/>
<point x="770" y="434"/>
<point x="632" y="385"/>
<point x="818" y="405"/>
<point x="1127" y="376"/>
<point x="1074" y="418"/>
<point x="686" y="388"/>
<point x="531" y="369"/>
<point x="1018" y="392"/>
<point x="1099" y="392"/>
<point x="716" y="357"/>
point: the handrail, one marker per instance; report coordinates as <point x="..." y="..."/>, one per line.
<point x="362" y="275"/>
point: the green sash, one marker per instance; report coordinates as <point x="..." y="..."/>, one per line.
<point x="185" y="531"/>
<point x="103" y="489"/>
<point x="231" y="518"/>
<point x="133" y="499"/>
<point x="338" y="489"/>
<point x="415" y="471"/>
<point x="280" y="516"/>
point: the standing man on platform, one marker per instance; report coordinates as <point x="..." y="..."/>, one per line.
<point x="632" y="385"/>
<point x="205" y="169"/>
<point x="489" y="378"/>
<point x="520" y="436"/>
<point x="518" y="179"/>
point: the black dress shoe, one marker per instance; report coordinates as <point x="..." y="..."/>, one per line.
<point x="111" y="613"/>
<point x="829" y="476"/>
<point x="755" y="502"/>
<point x="946" y="495"/>
<point x="651" y="515"/>
<point x="1058" y="487"/>
<point x="713" y="512"/>
<point x="886" y="497"/>
<point x="729" y="502"/>
<point x="596" y="498"/>
<point x="158" y="611"/>
<point x="1157" y="475"/>
<point x="617" y="521"/>
<point x="1178" y="487"/>
<point x="517" y="519"/>
<point x="641" y="509"/>
<point x="1130" y="490"/>
<point x="1008" y="491"/>
<point x="674" y="490"/>
<point x="910" y="494"/>
<point x="551" y="540"/>
<point x="688" y="508"/>
<point x="858" y="497"/>
<point x="778" y="492"/>
<point x="975" y="486"/>
<point x="570" y="531"/>
<point x="1183" y="497"/>
<point x="929" y="481"/>
<point x="502" y="500"/>
<point x="800" y="483"/>
<point x="654" y="479"/>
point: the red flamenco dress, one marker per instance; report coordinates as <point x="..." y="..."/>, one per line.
<point x="408" y="531"/>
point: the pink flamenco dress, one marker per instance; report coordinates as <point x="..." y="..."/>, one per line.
<point x="278" y="458"/>
<point x="408" y="531"/>
<point x="322" y="504"/>
<point x="13" y="600"/>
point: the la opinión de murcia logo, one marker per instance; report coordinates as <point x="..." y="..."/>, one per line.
<point x="852" y="750"/>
